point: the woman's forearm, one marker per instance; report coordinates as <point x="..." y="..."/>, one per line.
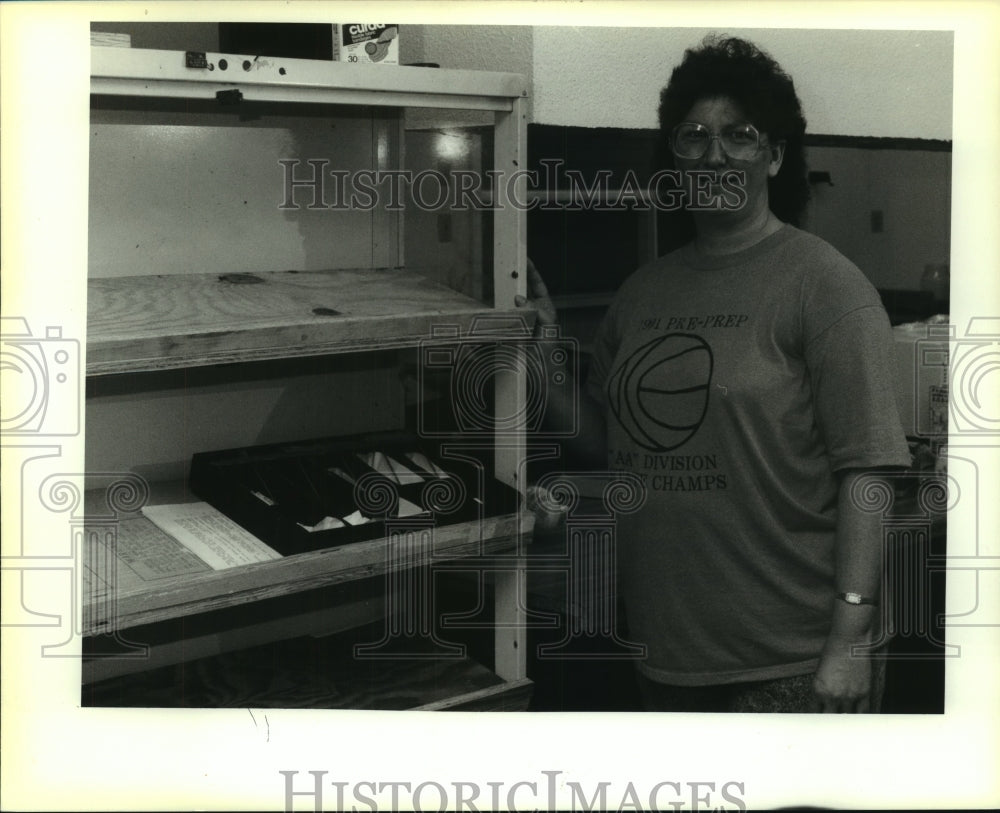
<point x="858" y="560"/>
<point x="843" y="681"/>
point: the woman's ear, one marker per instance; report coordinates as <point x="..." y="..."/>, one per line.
<point x="776" y="152"/>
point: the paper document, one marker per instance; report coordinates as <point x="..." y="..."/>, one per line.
<point x="326" y="524"/>
<point x="427" y="464"/>
<point x="131" y="556"/>
<point x="210" y="534"/>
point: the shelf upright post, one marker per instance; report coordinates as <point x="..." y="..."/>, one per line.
<point x="509" y="272"/>
<point x="510" y="280"/>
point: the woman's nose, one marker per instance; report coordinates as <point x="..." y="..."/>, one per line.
<point x="714" y="155"/>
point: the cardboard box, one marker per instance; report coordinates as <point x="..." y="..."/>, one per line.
<point x="372" y="43"/>
<point x="921" y="379"/>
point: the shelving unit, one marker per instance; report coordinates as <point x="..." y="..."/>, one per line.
<point x="151" y="322"/>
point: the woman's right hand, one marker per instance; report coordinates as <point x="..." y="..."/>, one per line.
<point x="576" y="417"/>
<point x="538" y="298"/>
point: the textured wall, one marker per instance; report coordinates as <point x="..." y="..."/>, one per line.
<point x="505" y="48"/>
<point x="851" y="82"/>
<point x="475" y="47"/>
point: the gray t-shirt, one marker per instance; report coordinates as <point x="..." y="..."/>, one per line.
<point x="736" y="387"/>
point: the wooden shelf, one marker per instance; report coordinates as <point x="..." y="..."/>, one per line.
<point x="284" y="674"/>
<point x="165" y="675"/>
<point x="149" y="322"/>
<point x="157" y="322"/>
<point x="172" y="597"/>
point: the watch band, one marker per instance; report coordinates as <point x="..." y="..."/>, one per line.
<point x="856" y="598"/>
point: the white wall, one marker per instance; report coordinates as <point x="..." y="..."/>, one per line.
<point x="472" y="47"/>
<point x="851" y="82"/>
<point x="506" y="48"/>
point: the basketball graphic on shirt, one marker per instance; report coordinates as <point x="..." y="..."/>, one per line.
<point x="659" y="394"/>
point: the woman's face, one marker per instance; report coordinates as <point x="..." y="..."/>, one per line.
<point x="718" y="113"/>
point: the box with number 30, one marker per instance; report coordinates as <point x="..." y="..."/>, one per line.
<point x="368" y="43"/>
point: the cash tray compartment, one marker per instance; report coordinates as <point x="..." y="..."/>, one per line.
<point x="279" y="491"/>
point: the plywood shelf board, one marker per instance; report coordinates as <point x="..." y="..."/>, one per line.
<point x="178" y="596"/>
<point x="285" y="675"/>
<point x="159" y="322"/>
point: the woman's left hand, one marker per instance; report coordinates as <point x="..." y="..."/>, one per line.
<point x="843" y="681"/>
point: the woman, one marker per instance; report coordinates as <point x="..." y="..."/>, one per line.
<point x="744" y="377"/>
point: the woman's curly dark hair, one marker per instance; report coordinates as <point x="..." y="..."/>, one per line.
<point x="739" y="70"/>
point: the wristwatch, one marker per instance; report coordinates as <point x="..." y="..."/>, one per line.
<point x="855" y="598"/>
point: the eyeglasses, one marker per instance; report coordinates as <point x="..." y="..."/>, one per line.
<point x="691" y="140"/>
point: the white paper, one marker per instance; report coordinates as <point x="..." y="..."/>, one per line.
<point x="325" y="524"/>
<point x="427" y="464"/>
<point x="391" y="468"/>
<point x="138" y="554"/>
<point x="356" y="518"/>
<point x="210" y="534"/>
<point x="408" y="509"/>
